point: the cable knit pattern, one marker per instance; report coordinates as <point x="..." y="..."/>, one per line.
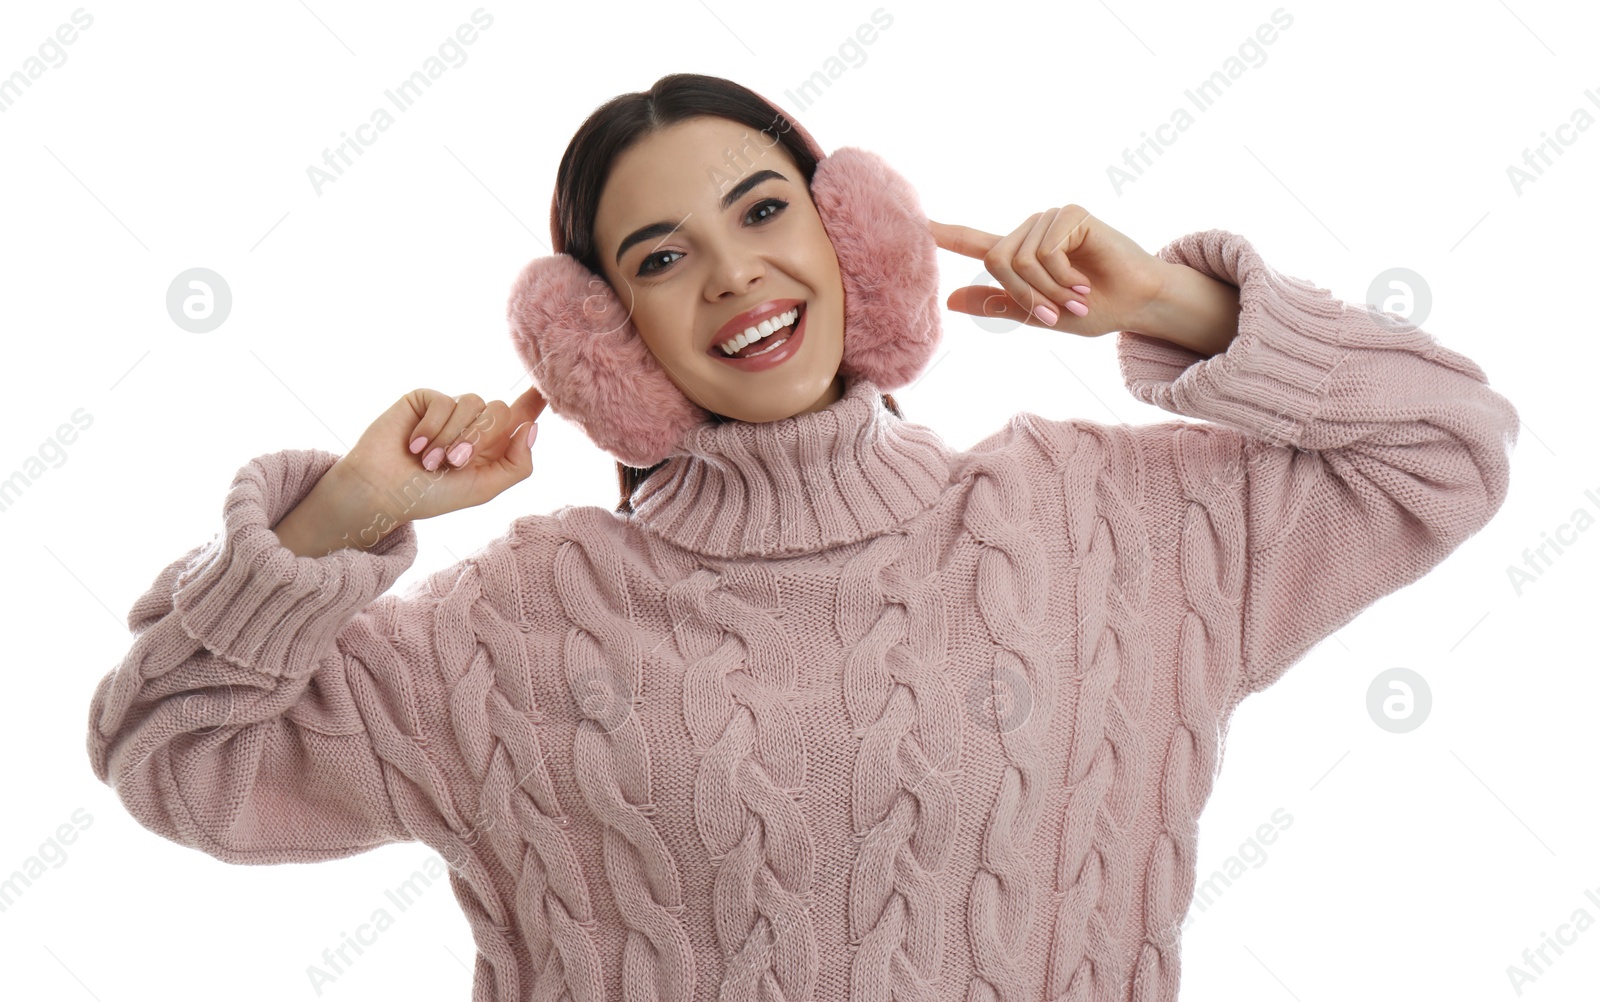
<point x="495" y="720"/>
<point x="1107" y="743"/>
<point x="1210" y="566"/>
<point x="1013" y="579"/>
<point x="890" y="617"/>
<point x="739" y="686"/>
<point x="839" y="712"/>
<point x="603" y="656"/>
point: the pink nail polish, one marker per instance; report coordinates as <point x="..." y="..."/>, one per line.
<point x="417" y="444"/>
<point x="430" y="462"/>
<point x="533" y="433"/>
<point x="1082" y="290"/>
<point x="1046" y="314"/>
<point x="459" y="453"/>
<point x="1078" y="308"/>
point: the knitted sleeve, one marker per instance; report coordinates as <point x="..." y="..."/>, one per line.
<point x="1351" y="452"/>
<point x="238" y="723"/>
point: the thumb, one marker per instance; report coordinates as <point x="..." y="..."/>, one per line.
<point x="517" y="463"/>
<point x="986" y="301"/>
<point x="521" y="451"/>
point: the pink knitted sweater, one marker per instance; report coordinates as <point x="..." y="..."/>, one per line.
<point x="839" y="713"/>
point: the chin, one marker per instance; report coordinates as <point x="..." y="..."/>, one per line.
<point x="771" y="395"/>
<point x="771" y="408"/>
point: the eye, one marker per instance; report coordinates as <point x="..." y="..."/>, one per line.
<point x="777" y="204"/>
<point x="644" y="266"/>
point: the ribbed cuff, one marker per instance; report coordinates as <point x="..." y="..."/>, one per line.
<point x="253" y="601"/>
<point x="1274" y="376"/>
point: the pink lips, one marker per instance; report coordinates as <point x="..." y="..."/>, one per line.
<point x="786" y="350"/>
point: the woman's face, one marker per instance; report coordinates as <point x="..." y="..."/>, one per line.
<point x="701" y="246"/>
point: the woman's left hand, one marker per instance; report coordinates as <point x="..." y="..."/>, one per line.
<point x="1055" y="258"/>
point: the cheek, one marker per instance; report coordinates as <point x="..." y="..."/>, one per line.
<point x="820" y="249"/>
<point x="665" y="331"/>
<point x="817" y="257"/>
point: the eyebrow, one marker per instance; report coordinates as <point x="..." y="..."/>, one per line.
<point x="663" y="228"/>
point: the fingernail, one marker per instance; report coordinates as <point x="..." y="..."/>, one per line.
<point x="1078" y="308"/>
<point x="430" y="462"/>
<point x="1082" y="290"/>
<point x="533" y="433"/>
<point x="1046" y="314"/>
<point x="459" y="454"/>
<point x="417" y="444"/>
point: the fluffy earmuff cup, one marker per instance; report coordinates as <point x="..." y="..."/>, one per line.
<point x="574" y="336"/>
<point x="888" y="262"/>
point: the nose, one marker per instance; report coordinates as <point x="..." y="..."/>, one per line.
<point x="735" y="267"/>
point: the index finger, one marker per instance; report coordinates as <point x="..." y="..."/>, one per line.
<point x="963" y="240"/>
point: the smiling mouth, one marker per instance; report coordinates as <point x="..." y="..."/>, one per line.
<point x="766" y="343"/>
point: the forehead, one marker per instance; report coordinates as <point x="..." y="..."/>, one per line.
<point x="684" y="168"/>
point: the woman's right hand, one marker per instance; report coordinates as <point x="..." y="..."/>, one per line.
<point x="400" y="469"/>
<point x="393" y="457"/>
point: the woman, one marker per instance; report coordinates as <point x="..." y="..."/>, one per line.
<point x="826" y="709"/>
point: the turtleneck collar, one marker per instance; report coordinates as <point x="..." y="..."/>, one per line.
<point x="845" y="473"/>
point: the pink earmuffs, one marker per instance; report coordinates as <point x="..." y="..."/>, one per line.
<point x="575" y="337"/>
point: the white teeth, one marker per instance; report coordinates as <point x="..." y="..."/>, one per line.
<point x="759" y="331"/>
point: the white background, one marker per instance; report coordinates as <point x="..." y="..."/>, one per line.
<point x="1374" y="135"/>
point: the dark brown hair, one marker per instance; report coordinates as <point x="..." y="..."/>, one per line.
<point x="619" y="123"/>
